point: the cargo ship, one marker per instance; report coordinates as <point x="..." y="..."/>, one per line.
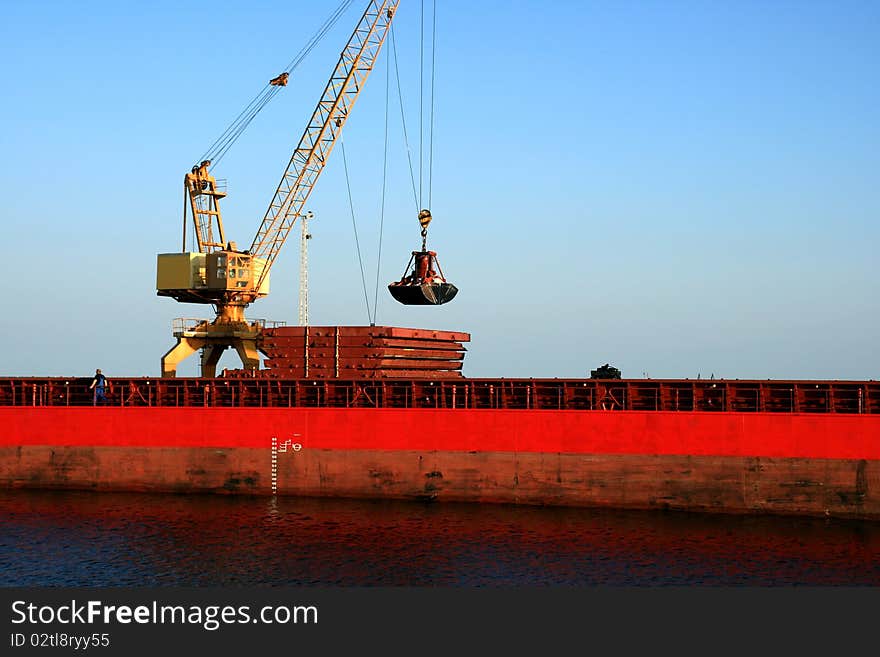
<point x="364" y="423"/>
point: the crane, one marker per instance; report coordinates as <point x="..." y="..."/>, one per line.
<point x="229" y="278"/>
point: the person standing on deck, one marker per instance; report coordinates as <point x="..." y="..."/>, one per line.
<point x="99" y="384"/>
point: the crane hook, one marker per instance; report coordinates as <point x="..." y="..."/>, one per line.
<point x="425" y="219"/>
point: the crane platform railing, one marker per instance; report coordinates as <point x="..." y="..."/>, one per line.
<point x="190" y="327"/>
<point x="634" y="395"/>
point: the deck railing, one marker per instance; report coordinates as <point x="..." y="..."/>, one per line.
<point x="551" y="394"/>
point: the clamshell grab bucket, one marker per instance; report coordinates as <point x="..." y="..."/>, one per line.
<point x="423" y="283"/>
<point x="427" y="294"/>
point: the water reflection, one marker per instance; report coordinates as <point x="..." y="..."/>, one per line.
<point x="102" y="539"/>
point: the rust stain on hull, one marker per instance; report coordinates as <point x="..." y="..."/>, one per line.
<point x="819" y="487"/>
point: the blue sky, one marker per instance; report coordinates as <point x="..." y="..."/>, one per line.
<point x="677" y="188"/>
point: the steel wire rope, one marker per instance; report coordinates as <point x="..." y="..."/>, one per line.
<point x="421" y="98"/>
<point x="229" y="136"/>
<point x="431" y="122"/>
<point x="274" y="90"/>
<point x="328" y="24"/>
<point x="269" y="92"/>
<point x="384" y="179"/>
<point x="412" y="176"/>
<point x="354" y="225"/>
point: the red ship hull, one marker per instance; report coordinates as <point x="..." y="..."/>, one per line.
<point x="742" y="462"/>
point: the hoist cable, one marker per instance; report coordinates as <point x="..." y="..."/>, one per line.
<point x="354" y="225"/>
<point x="431" y="124"/>
<point x="221" y="150"/>
<point x="235" y="123"/>
<point x="384" y="179"/>
<point x="421" y="97"/>
<point x="229" y="136"/>
<point x="403" y="120"/>
<point x="316" y="38"/>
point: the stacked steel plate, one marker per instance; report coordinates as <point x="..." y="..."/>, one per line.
<point x="362" y="352"/>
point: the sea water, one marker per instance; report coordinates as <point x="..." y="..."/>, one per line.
<point x="64" y="538"/>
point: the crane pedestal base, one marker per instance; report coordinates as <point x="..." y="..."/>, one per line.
<point x="213" y="347"/>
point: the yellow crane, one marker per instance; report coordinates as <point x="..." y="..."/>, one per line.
<point x="229" y="278"/>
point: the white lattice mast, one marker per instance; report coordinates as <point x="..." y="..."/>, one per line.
<point x="305" y="236"/>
